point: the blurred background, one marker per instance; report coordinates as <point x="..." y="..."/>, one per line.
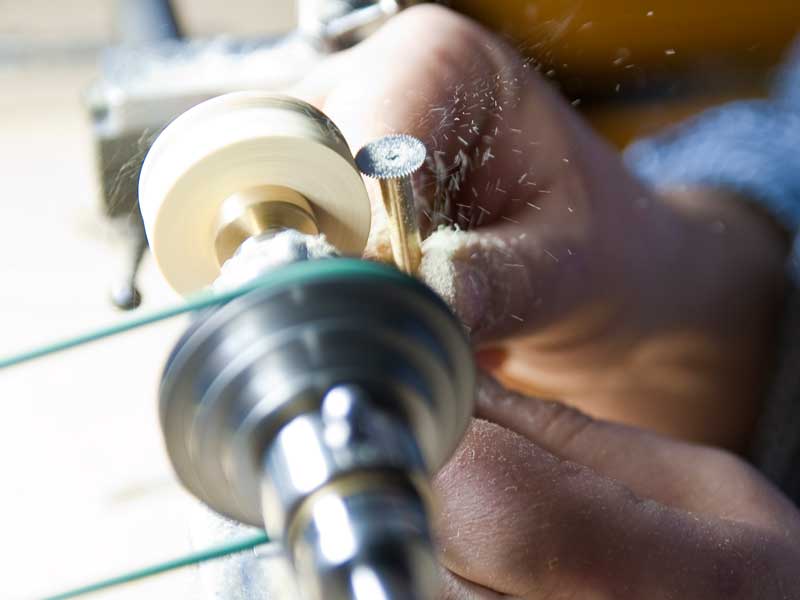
<point x="86" y="487"/>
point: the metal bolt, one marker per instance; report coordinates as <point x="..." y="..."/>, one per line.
<point x="392" y="160"/>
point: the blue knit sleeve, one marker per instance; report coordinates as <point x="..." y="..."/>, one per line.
<point x="787" y="85"/>
<point x="750" y="147"/>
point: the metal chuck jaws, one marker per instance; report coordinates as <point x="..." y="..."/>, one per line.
<point x="318" y="405"/>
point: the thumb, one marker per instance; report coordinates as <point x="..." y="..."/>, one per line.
<point x="387" y="85"/>
<point x="393" y="81"/>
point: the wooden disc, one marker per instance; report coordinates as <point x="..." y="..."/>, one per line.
<point x="232" y="143"/>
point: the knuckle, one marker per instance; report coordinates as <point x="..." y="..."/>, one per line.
<point x="562" y="426"/>
<point x="443" y="21"/>
<point x="497" y="521"/>
<point x="453" y="39"/>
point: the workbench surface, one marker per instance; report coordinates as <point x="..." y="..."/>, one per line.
<point x="87" y="488"/>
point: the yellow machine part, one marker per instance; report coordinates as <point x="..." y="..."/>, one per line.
<point x="719" y="49"/>
<point x="590" y="35"/>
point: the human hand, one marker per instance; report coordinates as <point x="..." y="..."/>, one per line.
<point x="577" y="283"/>
<point x="541" y="501"/>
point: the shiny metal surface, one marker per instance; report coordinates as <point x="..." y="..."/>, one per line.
<point x="370" y="545"/>
<point x="393" y="160"/>
<point x="246" y="369"/>
<point x="350" y="432"/>
<point x="258" y="210"/>
<point x="339" y="24"/>
<point x="318" y="407"/>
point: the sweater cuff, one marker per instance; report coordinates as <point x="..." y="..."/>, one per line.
<point x="752" y="148"/>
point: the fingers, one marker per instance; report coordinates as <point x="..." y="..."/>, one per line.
<point x="694" y="478"/>
<point x="414" y="76"/>
<point x="523" y="522"/>
<point x="456" y="588"/>
<point x="490" y="492"/>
